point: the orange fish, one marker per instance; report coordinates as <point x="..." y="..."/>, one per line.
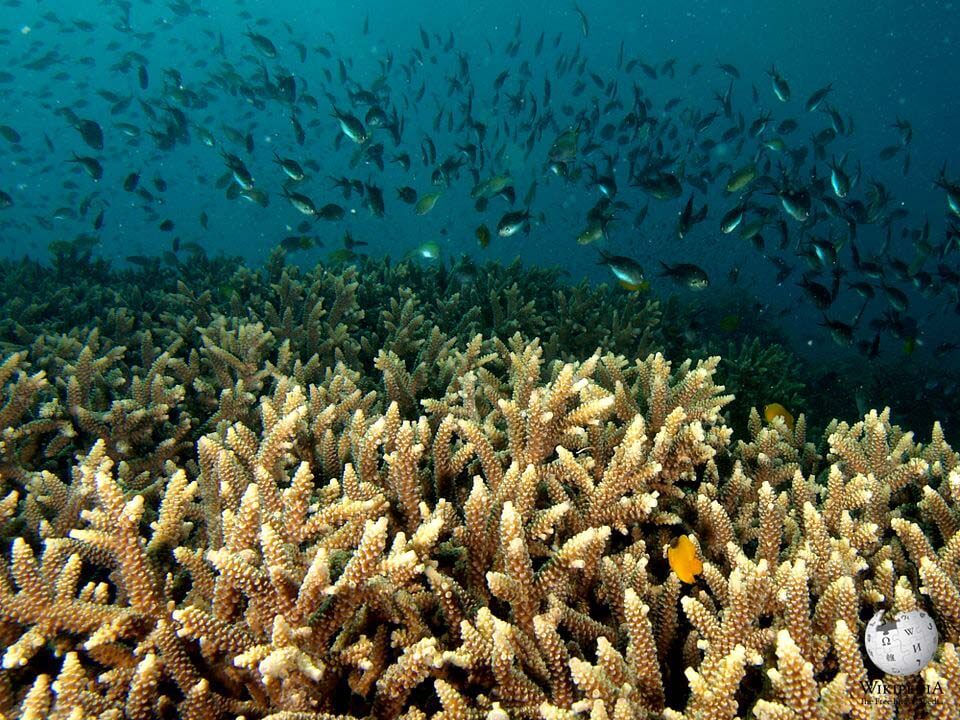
<point x="776" y="410"/>
<point x="682" y="556"/>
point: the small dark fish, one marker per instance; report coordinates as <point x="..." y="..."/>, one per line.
<point x="291" y="168"/>
<point x="945" y="347"/>
<point x="890" y="152"/>
<point x="513" y="222"/>
<point x="732" y="218"/>
<point x="824" y="137"/>
<point x="897" y="298"/>
<point x="729" y="69"/>
<point x="407" y="194"/>
<point x="627" y="270"/>
<point x="692" y="276"/>
<point x="841" y="332"/>
<point x="689" y="218"/>
<point x="374" y="200"/>
<point x="870" y="349"/>
<point x="330" y="211"/>
<point x="91" y="165"/>
<point x="839" y="180"/>
<point x="780" y="86"/>
<point x="262" y="43"/>
<point x="482" y="234"/>
<point x="906" y="130"/>
<point x="91" y="132"/>
<point x="786" y="126"/>
<point x="661" y="185"/>
<point x="836" y="120"/>
<point x="797" y="203"/>
<point x="239" y="171"/>
<point x="301" y="202"/>
<point x="166" y="225"/>
<point x="9" y="134"/>
<point x="376" y="117"/>
<point x="820" y="295"/>
<point x="817" y="98"/>
<point x="296" y="242"/>
<point x="287" y="88"/>
<point x="349" y="243"/>
<point x="351" y="126"/>
<point x="120" y="107"/>
<point x="131" y="181"/>
<point x="584" y="22"/>
<point x="298" y="132"/>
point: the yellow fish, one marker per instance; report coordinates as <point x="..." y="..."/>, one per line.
<point x="741" y="178"/>
<point x="426" y="203"/>
<point x="682" y="556"/>
<point x="776" y="410"/>
<point x="635" y="287"/>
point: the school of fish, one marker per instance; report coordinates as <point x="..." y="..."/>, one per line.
<point x="734" y="168"/>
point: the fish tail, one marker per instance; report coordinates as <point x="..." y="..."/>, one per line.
<point x="941" y="181"/>
<point x="856" y="320"/>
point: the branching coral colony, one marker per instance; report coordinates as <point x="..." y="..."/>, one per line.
<point x="472" y="532"/>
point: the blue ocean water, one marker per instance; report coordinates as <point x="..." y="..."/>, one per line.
<point x="886" y="62"/>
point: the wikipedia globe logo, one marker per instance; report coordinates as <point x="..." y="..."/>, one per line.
<point x="902" y="645"/>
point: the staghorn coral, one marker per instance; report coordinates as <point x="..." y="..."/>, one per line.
<point x="247" y="511"/>
<point x="437" y="525"/>
<point x="227" y="329"/>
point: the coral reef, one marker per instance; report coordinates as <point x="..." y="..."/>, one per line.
<point x="378" y="304"/>
<point x="337" y="498"/>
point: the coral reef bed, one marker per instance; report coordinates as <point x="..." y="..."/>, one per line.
<point x="321" y="495"/>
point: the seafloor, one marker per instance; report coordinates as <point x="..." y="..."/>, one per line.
<point x="387" y="490"/>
